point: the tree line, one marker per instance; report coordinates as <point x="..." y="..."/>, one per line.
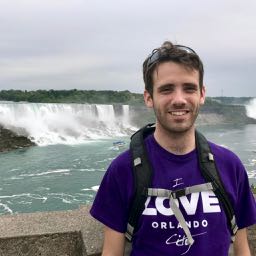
<point x="72" y="96"/>
<point x="99" y="97"/>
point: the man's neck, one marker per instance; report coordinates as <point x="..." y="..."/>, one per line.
<point x="176" y="143"/>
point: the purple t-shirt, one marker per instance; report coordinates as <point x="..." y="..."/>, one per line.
<point x="159" y="232"/>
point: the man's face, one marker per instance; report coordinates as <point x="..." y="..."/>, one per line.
<point x="176" y="97"/>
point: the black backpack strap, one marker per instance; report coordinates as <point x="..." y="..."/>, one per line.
<point x="142" y="173"/>
<point x="210" y="173"/>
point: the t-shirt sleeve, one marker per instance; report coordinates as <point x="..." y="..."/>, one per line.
<point x="111" y="203"/>
<point x="246" y="204"/>
<point x="236" y="182"/>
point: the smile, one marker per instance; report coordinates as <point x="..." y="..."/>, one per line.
<point x="178" y="113"/>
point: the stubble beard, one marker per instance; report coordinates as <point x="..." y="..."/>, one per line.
<point x="177" y="128"/>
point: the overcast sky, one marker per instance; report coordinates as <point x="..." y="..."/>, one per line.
<point x="100" y="45"/>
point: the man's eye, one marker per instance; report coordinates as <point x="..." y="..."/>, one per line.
<point x="166" y="90"/>
<point x="191" y="89"/>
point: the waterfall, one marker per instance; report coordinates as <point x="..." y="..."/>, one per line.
<point x="126" y="116"/>
<point x="251" y="108"/>
<point x="49" y="123"/>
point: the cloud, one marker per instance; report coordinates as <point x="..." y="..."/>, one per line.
<point x="102" y="44"/>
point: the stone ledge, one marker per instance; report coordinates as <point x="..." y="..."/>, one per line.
<point x="52" y="244"/>
<point x="60" y="233"/>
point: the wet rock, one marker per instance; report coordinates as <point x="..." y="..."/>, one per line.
<point x="10" y="140"/>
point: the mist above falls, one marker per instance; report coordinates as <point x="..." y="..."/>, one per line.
<point x="251" y="109"/>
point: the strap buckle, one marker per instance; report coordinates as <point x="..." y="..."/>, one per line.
<point x="234" y="226"/>
<point x="178" y="193"/>
<point x="129" y="232"/>
<point x="137" y="161"/>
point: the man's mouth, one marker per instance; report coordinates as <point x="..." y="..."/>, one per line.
<point x="179" y="112"/>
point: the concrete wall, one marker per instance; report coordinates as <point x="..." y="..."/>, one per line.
<point x="63" y="233"/>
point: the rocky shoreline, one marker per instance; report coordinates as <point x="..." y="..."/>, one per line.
<point x="10" y="140"/>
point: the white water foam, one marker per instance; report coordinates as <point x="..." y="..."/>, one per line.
<point x="251" y="109"/>
<point x="13" y="178"/>
<point x="6" y="208"/>
<point x="47" y="124"/>
<point x="94" y="188"/>
<point x="251" y="174"/>
<point x="86" y="170"/>
<point x="26" y="195"/>
<point x="65" y="198"/>
<point x="14" y="170"/>
<point x="63" y="171"/>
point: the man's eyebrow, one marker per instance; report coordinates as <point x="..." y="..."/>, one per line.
<point x="162" y="86"/>
<point x="190" y="84"/>
<point x="170" y="85"/>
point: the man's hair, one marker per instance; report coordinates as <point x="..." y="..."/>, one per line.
<point x="179" y="54"/>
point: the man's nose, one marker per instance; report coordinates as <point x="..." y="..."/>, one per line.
<point x="179" y="97"/>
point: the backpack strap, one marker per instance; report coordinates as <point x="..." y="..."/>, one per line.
<point x="160" y="192"/>
<point x="210" y="173"/>
<point x="142" y="174"/>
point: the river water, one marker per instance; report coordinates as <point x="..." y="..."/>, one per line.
<point x="65" y="170"/>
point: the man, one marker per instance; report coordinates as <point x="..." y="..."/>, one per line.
<point x="173" y="76"/>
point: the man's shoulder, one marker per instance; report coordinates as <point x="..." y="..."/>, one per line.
<point x="123" y="160"/>
<point x="220" y="149"/>
<point x="224" y="154"/>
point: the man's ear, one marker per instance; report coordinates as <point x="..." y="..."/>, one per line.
<point x="148" y="99"/>
<point x="202" y="96"/>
